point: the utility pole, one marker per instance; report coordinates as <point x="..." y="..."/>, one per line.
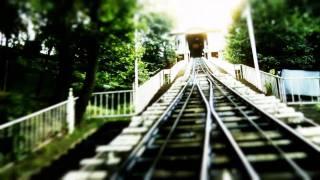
<point x="253" y="45"/>
<point x="136" y="64"/>
<point x="136" y="47"/>
<point x="136" y="67"/>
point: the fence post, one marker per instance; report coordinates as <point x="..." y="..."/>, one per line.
<point x="283" y="89"/>
<point x="161" y="78"/>
<point x="70" y="112"/>
<point x="237" y="71"/>
<point x="135" y="99"/>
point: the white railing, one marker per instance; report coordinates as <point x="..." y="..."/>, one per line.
<point x="146" y="91"/>
<point x="224" y="65"/>
<point x="270" y="83"/>
<point x="127" y="103"/>
<point x="24" y="135"/>
<point x="304" y="90"/>
<point x="176" y="69"/>
<point x="111" y="104"/>
<point x="288" y="90"/>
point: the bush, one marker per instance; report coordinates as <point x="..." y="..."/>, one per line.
<point x="13" y="105"/>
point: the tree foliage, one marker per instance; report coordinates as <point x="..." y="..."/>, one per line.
<point x="287" y="36"/>
<point x="87" y="45"/>
<point x="159" y="48"/>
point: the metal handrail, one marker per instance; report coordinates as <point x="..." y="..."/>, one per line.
<point x="24" y="118"/>
<point x="31" y="132"/>
<point x="272" y="83"/>
<point x="111" y="92"/>
<point x="277" y="76"/>
<point x="277" y="121"/>
<point x="298" y="78"/>
<point x="266" y="73"/>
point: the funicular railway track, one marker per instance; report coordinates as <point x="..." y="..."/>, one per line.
<point x="209" y="132"/>
<point x="270" y="149"/>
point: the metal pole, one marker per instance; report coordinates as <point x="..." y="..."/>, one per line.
<point x="253" y="46"/>
<point x="136" y="47"/>
<point x="136" y="67"/>
<point x="70" y="112"/>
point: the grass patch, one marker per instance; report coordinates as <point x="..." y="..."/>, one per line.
<point x="31" y="165"/>
<point x="318" y="107"/>
<point x="119" y="109"/>
<point x="310" y="111"/>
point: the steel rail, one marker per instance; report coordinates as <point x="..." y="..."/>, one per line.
<point x="209" y="104"/>
<point x="164" y="145"/>
<point x="293" y="164"/>
<point x="151" y="130"/>
<point x="208" y="127"/>
<point x="132" y="156"/>
<point x="211" y="115"/>
<point x="280" y="124"/>
<point x="298" y="170"/>
<point x="253" y="175"/>
<point x="248" y="167"/>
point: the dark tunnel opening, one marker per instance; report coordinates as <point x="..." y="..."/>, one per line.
<point x="196" y="44"/>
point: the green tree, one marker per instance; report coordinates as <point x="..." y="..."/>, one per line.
<point x="159" y="49"/>
<point x="116" y="66"/>
<point x="11" y="24"/>
<point x="286" y="36"/>
<point x="87" y="45"/>
<point x="108" y="19"/>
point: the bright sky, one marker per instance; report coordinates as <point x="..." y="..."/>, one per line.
<point x="190" y="14"/>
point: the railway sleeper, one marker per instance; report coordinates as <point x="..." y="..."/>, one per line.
<point x="237" y="118"/>
<point x="229" y="108"/>
<point x="181" y="128"/>
<point x="233" y="126"/>
<point x="247" y="136"/>
<point x="226" y="173"/>
<point x="196" y="141"/>
<point x="233" y="113"/>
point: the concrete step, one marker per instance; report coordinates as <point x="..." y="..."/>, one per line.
<point x="92" y="162"/>
<point x="85" y="175"/>
<point x="126" y="139"/>
<point x="113" y="148"/>
<point x="269" y="101"/>
<point x="228" y="108"/>
<point x="237" y="118"/>
<point x="153" y="112"/>
<point x="136" y="121"/>
<point x="110" y="160"/>
<point x="309" y="131"/>
<point x="159" y="104"/>
<point x="134" y="130"/>
<point x="294" y="117"/>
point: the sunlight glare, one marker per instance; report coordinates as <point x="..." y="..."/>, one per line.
<point x="198" y="14"/>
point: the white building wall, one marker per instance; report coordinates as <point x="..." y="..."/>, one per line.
<point x="181" y="44"/>
<point x="215" y="41"/>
